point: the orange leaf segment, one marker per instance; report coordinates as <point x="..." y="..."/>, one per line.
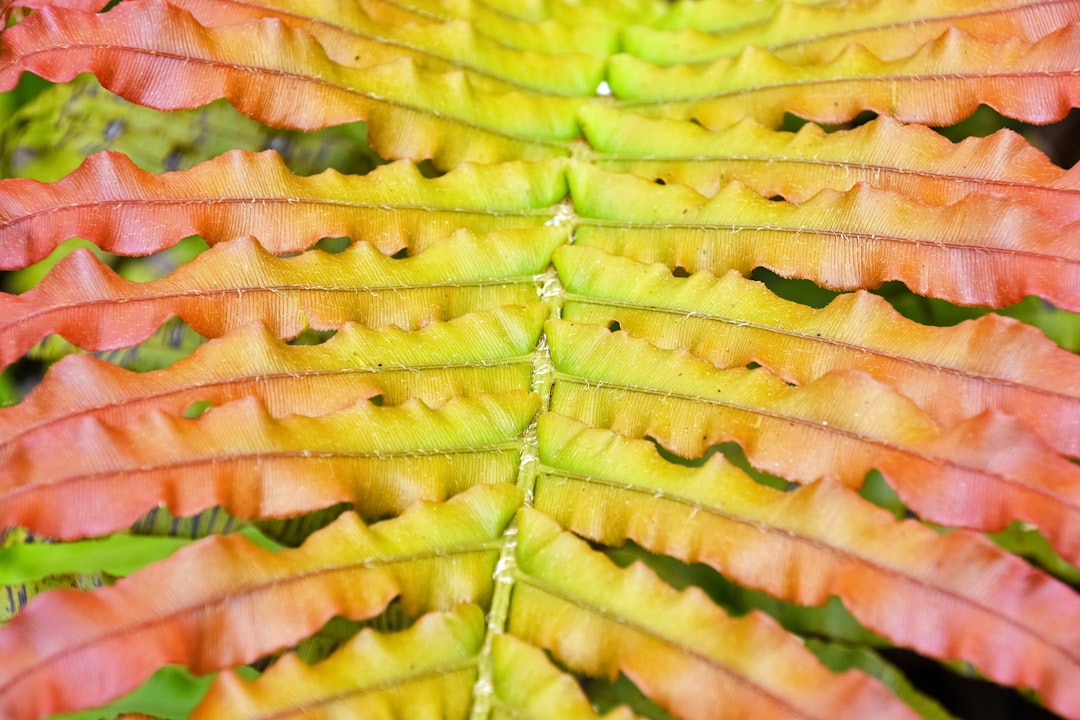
<point x="815" y="32"/>
<point x="427" y="671"/>
<point x="972" y="601"/>
<point x="351" y="37"/>
<point x="128" y="211"/>
<point x="381" y="459"/>
<point x="951" y="373"/>
<point x="940" y="84"/>
<point x="481" y="352"/>
<point x="431" y="558"/>
<point x="844" y="423"/>
<point x="282" y="77"/>
<point x="678" y="648"/>
<point x="909" y="159"/>
<point x="237" y="282"/>
<point x="979" y="251"/>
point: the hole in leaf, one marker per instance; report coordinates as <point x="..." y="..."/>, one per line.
<point x="680" y="272"/>
<point x="876" y="490"/>
<point x="660" y="181"/>
<point x="333" y="245"/>
<point x="401" y="254"/>
<point x="614" y="326"/>
<point x="777" y="198"/>
<point x="197" y="409"/>
<point x="376" y="400"/>
<point x="311" y="336"/>
<point x="752" y="365"/>
<point x="734" y="454"/>
<point x="1028" y="542"/>
<point x="966" y="697"/>
<point x="291" y="532"/>
<point x="605" y="696"/>
<point x="428" y="169"/>
<point x="794" y="289"/>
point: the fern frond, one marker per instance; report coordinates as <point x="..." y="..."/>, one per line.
<point x="844" y="424"/>
<point x="814" y="32"/>
<point x="974" y="601"/>
<point x="433" y="557"/>
<point x="1030" y="81"/>
<point x="672" y="645"/>
<point x="316" y="289"/>
<point x="480" y="352"/>
<point x="909" y="159"/>
<point x="283" y="77"/>
<point x="128" y="211"/>
<point x="951" y="373"/>
<point x="978" y="251"/>
<point x="239" y="457"/>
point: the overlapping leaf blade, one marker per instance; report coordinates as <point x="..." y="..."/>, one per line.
<point x="481" y="352"/>
<point x="427" y="671"/>
<point x="351" y="37"/>
<point x="815" y="32"/>
<point x="130" y="212"/>
<point x="978" y="251"/>
<point x="431" y="558"/>
<point x="283" y="77"/>
<point x="910" y="159"/>
<point x="381" y="459"/>
<point x="680" y="649"/>
<point x="1033" y="82"/>
<point x="844" y="424"/>
<point x="952" y="373"/>
<point x="316" y="289"/>
<point x="975" y="602"/>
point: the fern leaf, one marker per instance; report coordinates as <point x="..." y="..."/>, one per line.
<point x="283" y="77"/>
<point x="979" y="251"/>
<point x="253" y="465"/>
<point x="975" y="602"/>
<point x="315" y="289"/>
<point x="125" y="210"/>
<point x="480" y="352"/>
<point x="431" y="558"/>
<point x="426" y="671"/>
<point x="951" y="373"/>
<point x="679" y="648"/>
<point x="813" y="33"/>
<point x="844" y="424"/>
<point x="908" y="159"/>
<point x="528" y="686"/>
<point x="352" y="38"/>
<point x="1030" y="81"/>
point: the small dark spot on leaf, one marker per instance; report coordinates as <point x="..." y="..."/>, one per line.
<point x="777" y="198"/>
<point x="659" y="181"/>
<point x="614" y="326"/>
<point x="752" y="365"/>
<point x="401" y="254"/>
<point x="680" y="271"/>
<point x="376" y="400"/>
